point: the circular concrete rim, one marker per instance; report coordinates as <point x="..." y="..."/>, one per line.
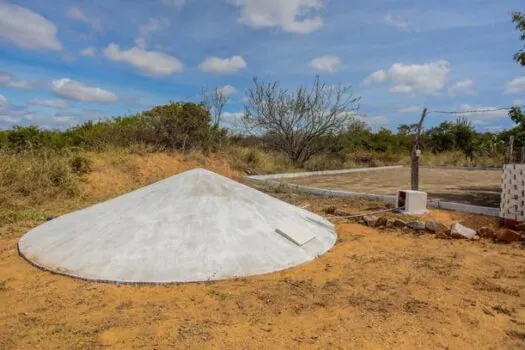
<point x="168" y="283"/>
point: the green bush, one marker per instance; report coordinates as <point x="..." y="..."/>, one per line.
<point x="81" y="165"/>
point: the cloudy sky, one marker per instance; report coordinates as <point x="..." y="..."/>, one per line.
<point x="66" y="61"/>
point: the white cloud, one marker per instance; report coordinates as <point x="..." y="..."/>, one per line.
<point x="74" y="90"/>
<point x="515" y="86"/>
<point x="330" y="64"/>
<point x="519" y="102"/>
<point x="3" y="100"/>
<point x="375" y="122"/>
<point x="27" y="29"/>
<point x="464" y="87"/>
<point x="481" y="114"/>
<point x="10" y="115"/>
<point x="151" y="63"/>
<point x="228" y="90"/>
<point x="153" y="25"/>
<point x="65" y="119"/>
<point x="89" y="51"/>
<point x="217" y="65"/>
<point x="410" y="109"/>
<point x="174" y="3"/>
<point x="376" y="77"/>
<point x="295" y="16"/>
<point x="77" y="14"/>
<point x="402" y="89"/>
<point x="397" y="22"/>
<point x="58" y="104"/>
<point x="425" y="78"/>
<point x="232" y="120"/>
<point x="8" y="80"/>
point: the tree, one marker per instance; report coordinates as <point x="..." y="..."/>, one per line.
<point x="406" y="129"/>
<point x="214" y="101"/>
<point x="519" y="19"/>
<point x="518" y="132"/>
<point x="182" y="126"/>
<point x="465" y="137"/>
<point x="297" y="121"/>
<point x="517" y="116"/>
<point x="515" y="113"/>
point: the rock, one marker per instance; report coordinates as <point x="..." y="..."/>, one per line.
<point x="520" y="226"/>
<point x="389" y="224"/>
<point x="431" y="225"/>
<point x="49" y="218"/>
<point x="416" y="225"/>
<point x="508" y="236"/>
<point x="442" y="235"/>
<point x="370" y="220"/>
<point x="461" y="232"/>
<point x="434" y="227"/>
<point x="330" y="210"/>
<point x="382" y="221"/>
<point x="399" y="223"/>
<point x="486" y="232"/>
<point x="476" y="238"/>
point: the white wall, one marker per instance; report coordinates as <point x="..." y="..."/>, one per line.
<point x="513" y="192"/>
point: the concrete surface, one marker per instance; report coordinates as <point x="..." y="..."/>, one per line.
<point x="321" y="173"/>
<point x="196" y="226"/>
<point x="466" y="208"/>
<point x="322" y="191"/>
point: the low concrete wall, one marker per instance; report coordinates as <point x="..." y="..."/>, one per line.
<point x="444" y="167"/>
<point x="321" y="173"/>
<point x="467" y="208"/>
<point x="267" y="180"/>
<point x="323" y="191"/>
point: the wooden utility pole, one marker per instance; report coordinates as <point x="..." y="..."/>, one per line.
<point x="416" y="153"/>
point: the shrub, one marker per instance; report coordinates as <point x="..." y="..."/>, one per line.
<point x="37" y="173"/>
<point x="81" y="165"/>
<point x="323" y="162"/>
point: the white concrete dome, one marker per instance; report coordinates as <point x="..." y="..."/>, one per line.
<point x="195" y="226"/>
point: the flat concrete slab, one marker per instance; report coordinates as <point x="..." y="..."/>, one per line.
<point x="195" y="226"/>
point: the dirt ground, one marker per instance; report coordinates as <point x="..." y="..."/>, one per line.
<point x="465" y="186"/>
<point x="373" y="289"/>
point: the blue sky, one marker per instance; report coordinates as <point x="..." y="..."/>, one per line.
<point x="63" y="62"/>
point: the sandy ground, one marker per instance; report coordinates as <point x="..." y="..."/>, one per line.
<point x="465" y="186"/>
<point x="373" y="289"/>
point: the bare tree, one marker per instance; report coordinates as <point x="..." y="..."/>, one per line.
<point x="297" y="121"/>
<point x="214" y="101"/>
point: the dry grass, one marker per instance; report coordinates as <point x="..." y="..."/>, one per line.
<point x="253" y="161"/>
<point x="34" y="186"/>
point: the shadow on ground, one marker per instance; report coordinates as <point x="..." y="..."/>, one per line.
<point x="483" y="196"/>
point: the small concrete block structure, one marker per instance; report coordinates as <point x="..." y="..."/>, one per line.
<point x="413" y="202"/>
<point x="512" y="208"/>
